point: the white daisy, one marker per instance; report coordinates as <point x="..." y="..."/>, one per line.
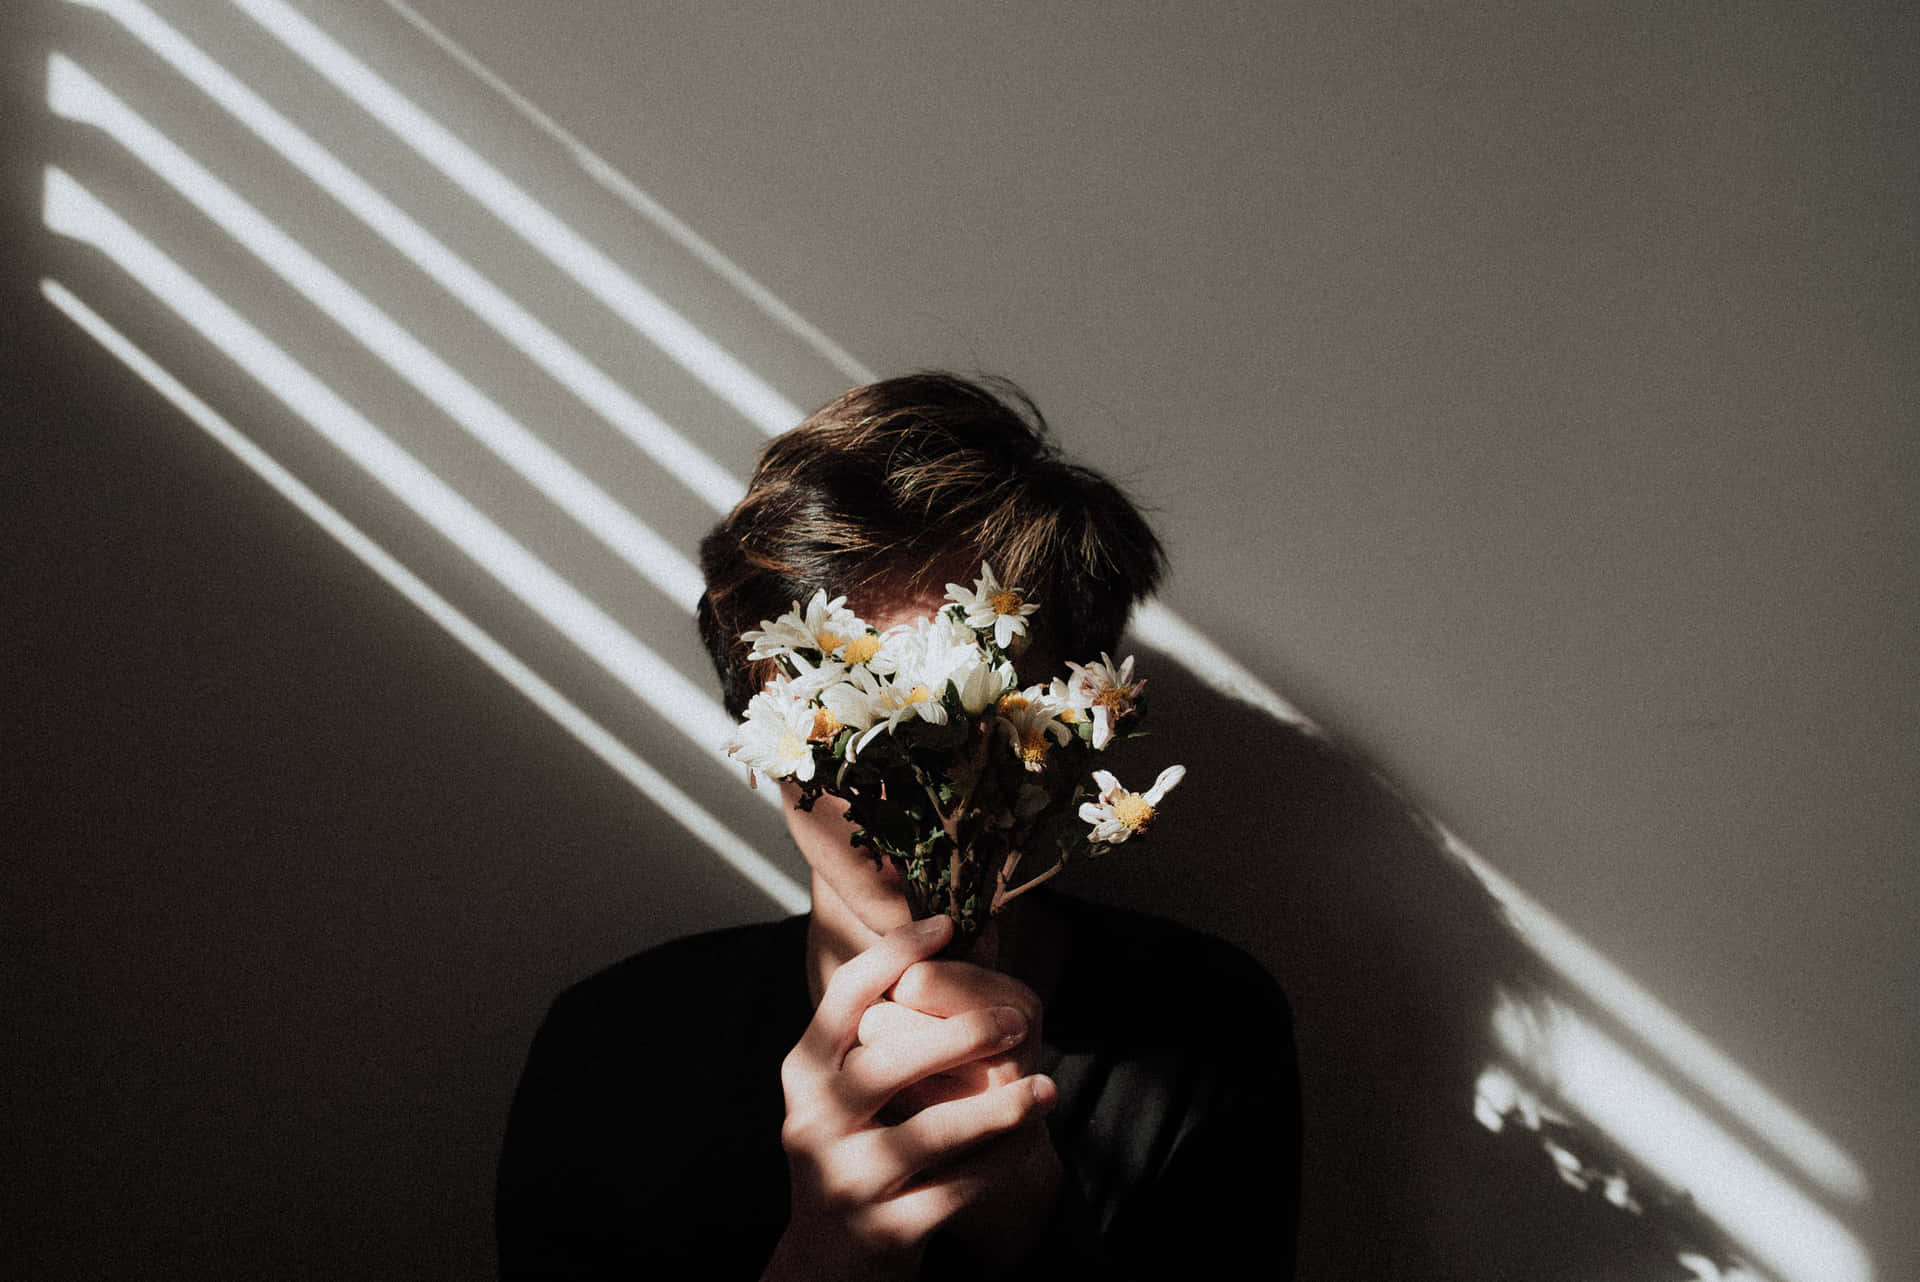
<point x="897" y="701"/>
<point x="1120" y="814"/>
<point x="855" y="699"/>
<point x="989" y="605"/>
<point x="980" y="684"/>
<point x="1104" y="693"/>
<point x="825" y="625"/>
<point x="774" y="737"/>
<point x="926" y="652"/>
<point x="809" y="679"/>
<point x="1031" y="717"/>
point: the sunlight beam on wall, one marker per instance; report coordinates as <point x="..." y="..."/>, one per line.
<point x="646" y="206"/>
<point x="633" y="420"/>
<point x="78" y="96"/>
<point x="1690" y="1054"/>
<point x="1607" y="1086"/>
<point x="1697" y="1059"/>
<point x="677" y="805"/>
<point x="592" y="270"/>
<point x="73" y="211"/>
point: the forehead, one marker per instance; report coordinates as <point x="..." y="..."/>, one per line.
<point x="883" y="609"/>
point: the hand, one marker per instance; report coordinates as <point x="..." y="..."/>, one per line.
<point x="929" y="991"/>
<point x="1022" y="1171"/>
<point x="867" y="1195"/>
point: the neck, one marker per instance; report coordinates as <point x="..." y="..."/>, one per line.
<point x="834" y="937"/>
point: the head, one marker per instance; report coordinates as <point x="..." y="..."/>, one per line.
<point x="894" y="489"/>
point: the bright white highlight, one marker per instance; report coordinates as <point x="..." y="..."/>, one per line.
<point x="73" y="211"/>
<point x="75" y="94"/>
<point x="686" y="812"/>
<point x="646" y="206"/>
<point x="1186" y="645"/>
<point x="1697" y="1059"/>
<point x="640" y="425"/>
<point x="592" y="270"/>
<point x="1610" y="1088"/>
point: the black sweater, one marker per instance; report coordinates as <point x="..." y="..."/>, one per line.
<point x="644" y="1139"/>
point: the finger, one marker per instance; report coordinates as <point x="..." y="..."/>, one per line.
<point x="884" y="1020"/>
<point x="928" y="1091"/>
<point x="947" y="988"/>
<point x="946" y="1131"/>
<point x="873" y="1074"/>
<point x="864" y="979"/>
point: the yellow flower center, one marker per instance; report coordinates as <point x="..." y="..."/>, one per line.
<point x="1132" y="810"/>
<point x="1070" y="715"/>
<point x="861" y="649"/>
<point x="1034" y="745"/>
<point x="1113" y="697"/>
<point x="828" y="642"/>
<point x="919" y="694"/>
<point x="1005" y="601"/>
<point x="1012" y="704"/>
<point x="825" y="725"/>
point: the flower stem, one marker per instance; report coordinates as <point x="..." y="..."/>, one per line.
<point x="1008" y="896"/>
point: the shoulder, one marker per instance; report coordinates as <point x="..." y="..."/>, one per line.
<point x="685" y="982"/>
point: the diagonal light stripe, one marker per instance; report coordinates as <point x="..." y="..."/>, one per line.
<point x="646" y="206"/>
<point x="1610" y="1088"/>
<point x="73" y="93"/>
<point x="1160" y="627"/>
<point x="514" y="323"/>
<point x="682" y="809"/>
<point x="592" y="270"/>
<point x="1697" y="1059"/>
<point x="73" y="211"/>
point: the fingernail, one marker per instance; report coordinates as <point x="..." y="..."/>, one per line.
<point x="1045" y="1092"/>
<point x="1013" y="1025"/>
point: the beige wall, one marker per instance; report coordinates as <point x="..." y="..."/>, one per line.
<point x="1526" y="392"/>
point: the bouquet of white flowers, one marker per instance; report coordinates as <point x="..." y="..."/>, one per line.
<point x="948" y="766"/>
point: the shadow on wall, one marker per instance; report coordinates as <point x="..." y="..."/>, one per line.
<point x="1394" y="957"/>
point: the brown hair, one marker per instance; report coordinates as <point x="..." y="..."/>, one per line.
<point x="903" y="484"/>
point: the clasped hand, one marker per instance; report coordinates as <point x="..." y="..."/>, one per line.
<point x="914" y="1104"/>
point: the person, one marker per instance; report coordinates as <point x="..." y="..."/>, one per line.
<point x="1089" y="1093"/>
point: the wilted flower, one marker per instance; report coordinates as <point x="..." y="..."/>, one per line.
<point x="1120" y="814"/>
<point x="1031" y="716"/>
<point x="989" y="605"/>
<point x="1105" y="693"/>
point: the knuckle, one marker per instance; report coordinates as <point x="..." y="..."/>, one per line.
<point x="794" y="1074"/>
<point x="912" y="983"/>
<point x="796" y="1133"/>
<point x="841" y="1192"/>
<point x="1014" y="1106"/>
<point x="891" y="1234"/>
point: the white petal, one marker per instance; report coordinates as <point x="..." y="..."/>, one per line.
<point x="1169" y="777"/>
